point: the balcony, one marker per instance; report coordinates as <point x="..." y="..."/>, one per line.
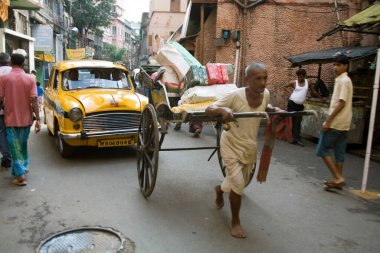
<point x="26" y="4"/>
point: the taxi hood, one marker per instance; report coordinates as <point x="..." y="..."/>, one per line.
<point x="96" y="100"/>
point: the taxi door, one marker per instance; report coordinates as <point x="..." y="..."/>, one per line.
<point x="51" y="95"/>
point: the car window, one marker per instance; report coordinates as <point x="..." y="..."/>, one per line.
<point x="56" y="75"/>
<point x="51" y="78"/>
<point x="100" y="78"/>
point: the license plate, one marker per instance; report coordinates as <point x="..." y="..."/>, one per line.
<point x="116" y="142"/>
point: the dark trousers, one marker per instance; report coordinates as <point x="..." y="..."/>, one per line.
<point x="296" y="130"/>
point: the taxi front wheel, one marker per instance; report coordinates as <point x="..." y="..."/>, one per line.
<point x="65" y="149"/>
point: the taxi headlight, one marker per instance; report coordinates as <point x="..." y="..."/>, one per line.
<point x="75" y="114"/>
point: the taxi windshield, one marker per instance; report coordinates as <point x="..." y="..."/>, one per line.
<point x="98" y="78"/>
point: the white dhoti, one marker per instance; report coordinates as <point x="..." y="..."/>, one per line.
<point x="237" y="175"/>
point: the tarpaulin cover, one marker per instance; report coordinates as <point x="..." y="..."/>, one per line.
<point x="327" y="55"/>
<point x="371" y="15"/>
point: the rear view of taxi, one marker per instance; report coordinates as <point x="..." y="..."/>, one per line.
<point x="91" y="103"/>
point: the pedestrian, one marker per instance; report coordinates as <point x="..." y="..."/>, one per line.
<point x="239" y="144"/>
<point x="18" y="95"/>
<point x="34" y="73"/>
<point x="6" y="159"/>
<point x="295" y="104"/>
<point x="332" y="140"/>
<point x="40" y="93"/>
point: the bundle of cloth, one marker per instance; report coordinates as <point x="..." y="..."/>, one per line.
<point x="199" y="98"/>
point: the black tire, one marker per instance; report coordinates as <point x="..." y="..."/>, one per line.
<point x="147" y="151"/>
<point x="64" y="149"/>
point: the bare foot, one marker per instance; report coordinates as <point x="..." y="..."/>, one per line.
<point x="237" y="231"/>
<point x="219" y="202"/>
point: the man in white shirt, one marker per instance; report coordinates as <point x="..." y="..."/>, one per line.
<point x="332" y="141"/>
<point x="295" y="103"/>
<point x="6" y="159"/>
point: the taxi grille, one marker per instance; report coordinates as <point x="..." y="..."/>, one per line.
<point x="111" y="121"/>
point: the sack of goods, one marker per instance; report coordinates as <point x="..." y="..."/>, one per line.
<point x="217" y="73"/>
<point x="197" y="76"/>
<point x="170" y="79"/>
<point x="169" y="56"/>
<point x="200" y="94"/>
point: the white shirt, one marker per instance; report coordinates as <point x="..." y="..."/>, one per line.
<point x="4" y="70"/>
<point x="300" y="93"/>
<point x="240" y="142"/>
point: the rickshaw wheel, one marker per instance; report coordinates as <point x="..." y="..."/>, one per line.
<point x="221" y="163"/>
<point x="218" y="135"/>
<point x="147" y="150"/>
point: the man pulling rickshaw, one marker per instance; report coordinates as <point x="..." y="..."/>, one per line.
<point x="239" y="144"/>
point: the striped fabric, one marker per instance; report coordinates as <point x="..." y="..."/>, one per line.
<point x="18" y="145"/>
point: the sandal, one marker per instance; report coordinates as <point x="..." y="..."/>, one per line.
<point x="19" y="182"/>
<point x="334" y="185"/>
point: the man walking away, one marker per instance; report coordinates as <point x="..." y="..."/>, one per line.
<point x="335" y="128"/>
<point x="295" y="103"/>
<point x="6" y="159"/>
<point x="18" y="94"/>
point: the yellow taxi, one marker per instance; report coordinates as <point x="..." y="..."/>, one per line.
<point x="91" y="103"/>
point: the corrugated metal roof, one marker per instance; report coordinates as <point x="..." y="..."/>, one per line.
<point x="327" y="55"/>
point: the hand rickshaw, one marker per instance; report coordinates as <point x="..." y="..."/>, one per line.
<point x="153" y="129"/>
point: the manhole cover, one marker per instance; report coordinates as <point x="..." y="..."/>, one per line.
<point x="87" y="239"/>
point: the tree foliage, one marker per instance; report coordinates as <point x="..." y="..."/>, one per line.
<point x="90" y="15"/>
<point x="114" y="54"/>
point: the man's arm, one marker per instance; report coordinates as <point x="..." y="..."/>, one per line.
<point x="327" y="123"/>
<point x="36" y="110"/>
<point x="290" y="84"/>
<point x="224" y="112"/>
<point x="270" y="108"/>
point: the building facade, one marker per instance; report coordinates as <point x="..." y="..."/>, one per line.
<point x="267" y="31"/>
<point x="49" y="29"/>
<point x="15" y="31"/>
<point x="165" y="18"/>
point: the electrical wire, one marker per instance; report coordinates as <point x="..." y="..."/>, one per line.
<point x="305" y="11"/>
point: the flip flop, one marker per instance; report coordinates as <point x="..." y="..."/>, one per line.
<point x="334" y="185"/>
<point x="18" y="182"/>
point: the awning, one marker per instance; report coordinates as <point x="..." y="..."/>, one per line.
<point x="327" y="55"/>
<point x="358" y="23"/>
<point x="26" y="4"/>
<point x="371" y="15"/>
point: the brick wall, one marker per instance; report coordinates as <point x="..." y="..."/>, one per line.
<point x="273" y="32"/>
<point x="209" y="50"/>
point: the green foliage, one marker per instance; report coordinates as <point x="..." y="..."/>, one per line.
<point x="112" y="53"/>
<point x="90" y="14"/>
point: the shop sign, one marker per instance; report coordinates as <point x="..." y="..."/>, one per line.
<point x="76" y="54"/>
<point x="44" y="41"/>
